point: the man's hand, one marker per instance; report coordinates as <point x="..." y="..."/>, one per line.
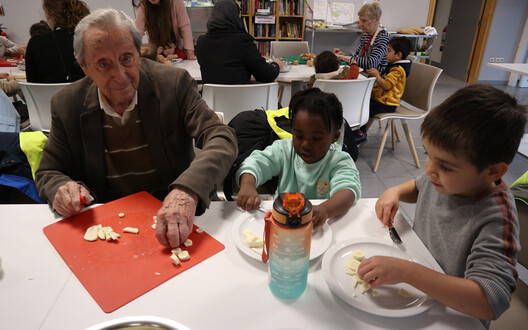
<point x="67" y="200"/>
<point x="176" y="217"/>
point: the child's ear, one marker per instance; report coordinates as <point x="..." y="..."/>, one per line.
<point x="336" y="136"/>
<point x="496" y="171"/>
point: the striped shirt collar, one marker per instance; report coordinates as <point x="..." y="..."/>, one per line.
<point x="109" y="110"/>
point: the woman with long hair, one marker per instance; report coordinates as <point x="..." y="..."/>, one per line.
<point x="50" y="57"/>
<point x="164" y="21"/>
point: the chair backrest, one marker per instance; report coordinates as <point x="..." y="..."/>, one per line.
<point x="412" y="58"/>
<point x="420" y="85"/>
<point x="354" y="95"/>
<point x="38" y="98"/>
<point x="232" y="99"/>
<point x="288" y="48"/>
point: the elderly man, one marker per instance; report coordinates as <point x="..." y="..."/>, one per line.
<point x="129" y="126"/>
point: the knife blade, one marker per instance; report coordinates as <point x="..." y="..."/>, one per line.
<point x="394" y="235"/>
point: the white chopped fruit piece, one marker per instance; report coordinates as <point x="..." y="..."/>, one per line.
<point x="100" y="232"/>
<point x="184" y="255"/>
<point x="364" y="288"/>
<point x="176" y="250"/>
<point x="257" y="250"/>
<point x="402" y="292"/>
<point x="357" y="281"/>
<point x="130" y="230"/>
<point x="358" y="255"/>
<point x="188" y="243"/>
<point x="252" y="240"/>
<point x="353" y="265"/>
<point x="121" y="215"/>
<point x="108" y="233"/>
<point x="199" y="230"/>
<point x="114" y="235"/>
<point x="155" y="218"/>
<point x="153" y="226"/>
<point x="91" y="234"/>
<point x="175" y="259"/>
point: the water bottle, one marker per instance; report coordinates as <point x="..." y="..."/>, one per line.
<point x="288" y="235"/>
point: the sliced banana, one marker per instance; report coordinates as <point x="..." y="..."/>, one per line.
<point x="121" y="215"/>
<point x="91" y="234"/>
<point x="153" y="226"/>
<point x="175" y="259"/>
<point x="402" y="292"/>
<point x="130" y="230"/>
<point x="358" y="255"/>
<point x="199" y="230"/>
<point x="252" y="240"/>
<point x="176" y="250"/>
<point x="188" y="243"/>
<point x="184" y="255"/>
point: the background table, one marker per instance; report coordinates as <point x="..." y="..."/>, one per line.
<point x="226" y="291"/>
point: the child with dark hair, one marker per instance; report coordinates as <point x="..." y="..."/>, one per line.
<point x="390" y="83"/>
<point x="149" y="51"/>
<point x="39" y="29"/>
<point x="310" y="162"/>
<point x="327" y="66"/>
<point x="465" y="213"/>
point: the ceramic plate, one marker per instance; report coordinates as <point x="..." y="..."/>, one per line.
<point x="387" y="302"/>
<point x="254" y="221"/>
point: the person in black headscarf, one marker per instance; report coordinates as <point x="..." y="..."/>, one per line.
<point x="227" y="54"/>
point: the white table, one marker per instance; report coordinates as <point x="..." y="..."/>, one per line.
<point x="518" y="68"/>
<point x="297" y="73"/>
<point x="227" y="291"/>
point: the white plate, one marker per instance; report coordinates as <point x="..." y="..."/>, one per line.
<point x="388" y="302"/>
<point x="254" y="221"/>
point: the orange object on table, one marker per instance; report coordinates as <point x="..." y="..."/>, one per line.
<point x="117" y="272"/>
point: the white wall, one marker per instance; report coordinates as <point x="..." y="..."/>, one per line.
<point x="20" y="14"/>
<point x="504" y="37"/>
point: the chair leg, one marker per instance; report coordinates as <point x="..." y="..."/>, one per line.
<point x="281" y="91"/>
<point x="382" y="145"/>
<point x="396" y="131"/>
<point x="411" y="143"/>
<point x="393" y="134"/>
<point x="369" y="123"/>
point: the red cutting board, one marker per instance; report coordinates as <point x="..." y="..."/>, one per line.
<point x="117" y="272"/>
<point x="5" y="62"/>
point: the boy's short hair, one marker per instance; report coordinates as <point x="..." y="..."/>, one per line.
<point x="149" y="51"/>
<point x="478" y="122"/>
<point x="401" y="44"/>
<point x="316" y="102"/>
<point x="39" y="29"/>
<point x="326" y="62"/>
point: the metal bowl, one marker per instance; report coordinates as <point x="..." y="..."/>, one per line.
<point x="139" y="322"/>
<point x="286" y="65"/>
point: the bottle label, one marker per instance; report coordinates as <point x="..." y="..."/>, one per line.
<point x="289" y="259"/>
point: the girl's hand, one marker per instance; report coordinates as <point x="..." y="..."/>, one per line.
<point x="160" y="50"/>
<point x="379" y="270"/>
<point x="172" y="57"/>
<point x="248" y="197"/>
<point x="320" y="215"/>
<point x="387" y="206"/>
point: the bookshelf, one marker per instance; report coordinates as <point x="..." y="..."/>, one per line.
<point x="273" y="20"/>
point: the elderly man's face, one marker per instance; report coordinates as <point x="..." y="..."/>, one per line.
<point x="112" y="61"/>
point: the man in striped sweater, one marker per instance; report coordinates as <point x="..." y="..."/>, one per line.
<point x="129" y="126"/>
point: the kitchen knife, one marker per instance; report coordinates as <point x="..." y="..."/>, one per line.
<point x="394" y="235"/>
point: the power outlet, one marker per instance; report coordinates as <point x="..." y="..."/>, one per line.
<point x="499" y="60"/>
<point x="492" y="60"/>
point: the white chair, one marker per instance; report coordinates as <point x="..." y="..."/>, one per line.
<point x="38" y="98"/>
<point x="354" y="95"/>
<point x="415" y="103"/>
<point x="232" y="99"/>
<point x="280" y="49"/>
